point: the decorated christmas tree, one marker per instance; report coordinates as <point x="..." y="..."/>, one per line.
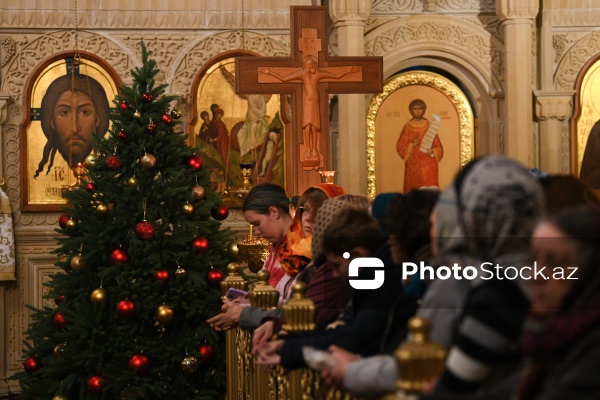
<point x="142" y="253"/>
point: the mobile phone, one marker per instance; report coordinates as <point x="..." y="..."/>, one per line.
<point x="234" y="293"/>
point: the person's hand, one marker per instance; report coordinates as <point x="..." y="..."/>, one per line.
<point x="334" y="376"/>
<point x="229" y="317"/>
<point x="268" y="355"/>
<point x="430" y="387"/>
<point x="261" y="336"/>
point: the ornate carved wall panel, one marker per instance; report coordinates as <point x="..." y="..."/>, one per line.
<point x="206" y="48"/>
<point x="474" y="46"/>
<point x="574" y="58"/>
<point x="35" y="264"/>
<point x="148" y="19"/>
<point x="398" y="7"/>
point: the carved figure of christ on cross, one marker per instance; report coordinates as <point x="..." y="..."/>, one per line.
<point x="309" y="75"/>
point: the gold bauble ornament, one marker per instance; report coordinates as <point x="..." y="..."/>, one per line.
<point x="148" y="161"/>
<point x="133" y="181"/>
<point x="61" y="397"/>
<point x="71" y="224"/>
<point x="98" y="295"/>
<point x="101" y="209"/>
<point x="137" y="114"/>
<point x="76" y="262"/>
<point x="188" y="208"/>
<point x="90" y="160"/>
<point x="189" y="364"/>
<point x="164" y="314"/>
<point x="198" y="192"/>
<point x="59" y="350"/>
<point x="175" y="113"/>
<point x="233" y="250"/>
<point x="179" y="271"/>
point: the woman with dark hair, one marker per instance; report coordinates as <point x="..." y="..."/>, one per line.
<point x="561" y="336"/>
<point x="292" y="253"/>
<point x="266" y="208"/>
<point x="73" y="109"/>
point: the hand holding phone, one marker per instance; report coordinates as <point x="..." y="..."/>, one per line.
<point x="234" y="293"/>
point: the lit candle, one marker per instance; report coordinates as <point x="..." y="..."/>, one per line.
<point x="250" y="231"/>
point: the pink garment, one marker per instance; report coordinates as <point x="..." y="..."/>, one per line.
<point x="273" y="266"/>
<point x="284" y="287"/>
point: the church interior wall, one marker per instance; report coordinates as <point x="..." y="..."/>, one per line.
<point x="464" y="37"/>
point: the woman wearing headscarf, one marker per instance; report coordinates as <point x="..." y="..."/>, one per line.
<point x="499" y="204"/>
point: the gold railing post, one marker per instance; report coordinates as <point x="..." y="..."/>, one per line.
<point x="298" y="316"/>
<point x="265" y="296"/>
<point x="235" y="390"/>
<point x="419" y="359"/>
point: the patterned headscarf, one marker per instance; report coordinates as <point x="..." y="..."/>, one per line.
<point x="326" y="214"/>
<point x="500" y="203"/>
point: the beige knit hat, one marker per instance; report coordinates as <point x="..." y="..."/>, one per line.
<point x="329" y="209"/>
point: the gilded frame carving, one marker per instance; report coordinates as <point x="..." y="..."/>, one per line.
<point x="585" y="127"/>
<point x="388" y="112"/>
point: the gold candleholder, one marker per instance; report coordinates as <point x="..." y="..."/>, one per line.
<point x="327" y="176"/>
<point x="254" y="251"/>
<point x="242" y="191"/>
<point x="79" y="171"/>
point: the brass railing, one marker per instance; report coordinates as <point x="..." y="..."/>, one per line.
<point x="419" y="359"/>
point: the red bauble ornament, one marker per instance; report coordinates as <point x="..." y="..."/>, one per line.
<point x="167" y="119"/>
<point x="220" y="213"/>
<point x="58" y="299"/>
<point x="214" y="277"/>
<point x="63" y="219"/>
<point x="195" y="163"/>
<point x="94" y="384"/>
<point x="90" y="187"/>
<point x="151" y="127"/>
<point x="200" y="245"/>
<point x="207" y="353"/>
<point x="119" y="255"/>
<point x="32" y="364"/>
<point x="126" y="309"/>
<point x="59" y="321"/>
<point x="138" y="363"/>
<point x="144" y="230"/>
<point x="147" y="97"/>
<point x="161" y="275"/>
<point x="113" y="162"/>
<point x="122" y="135"/>
<point x="124" y="105"/>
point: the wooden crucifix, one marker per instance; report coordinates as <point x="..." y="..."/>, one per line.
<point x="309" y="75"/>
